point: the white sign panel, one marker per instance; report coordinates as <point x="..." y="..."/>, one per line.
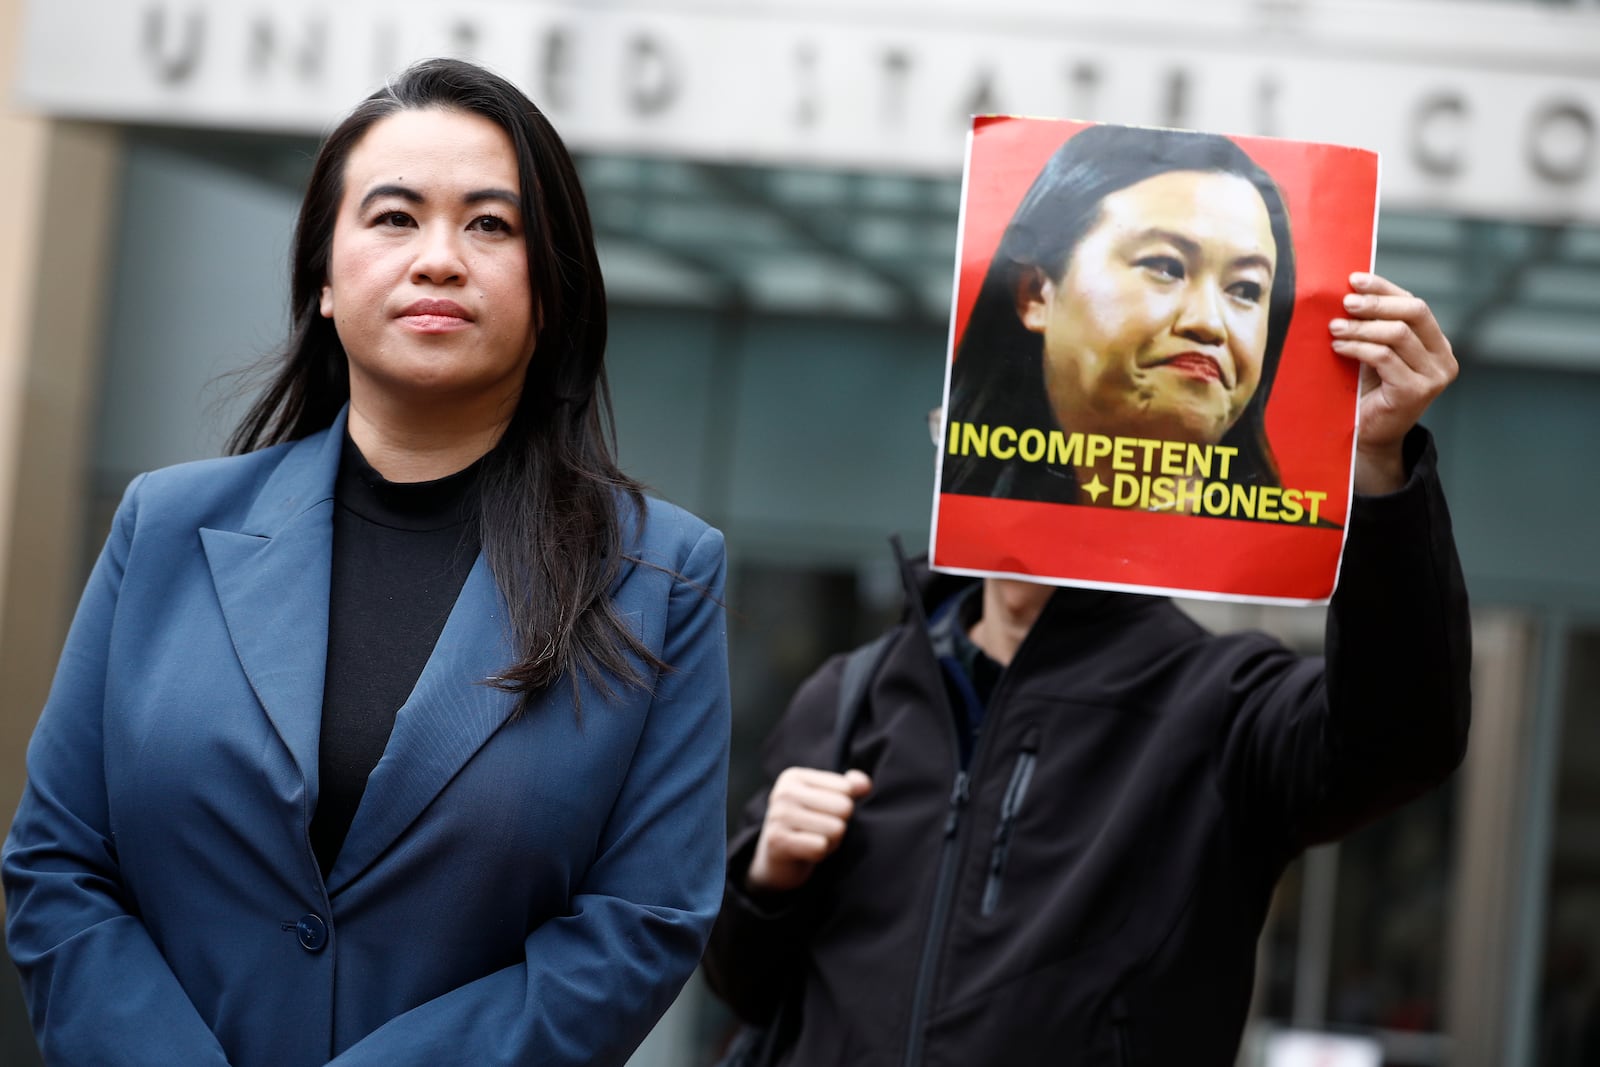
<point x="1299" y="1048"/>
<point x="1486" y="109"/>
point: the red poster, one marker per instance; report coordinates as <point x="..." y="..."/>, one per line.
<point x="1142" y="392"/>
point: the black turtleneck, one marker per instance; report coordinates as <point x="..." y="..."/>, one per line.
<point x="401" y="553"/>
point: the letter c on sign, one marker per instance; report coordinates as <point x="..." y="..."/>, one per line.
<point x="1436" y="134"/>
<point x="1561" y="142"/>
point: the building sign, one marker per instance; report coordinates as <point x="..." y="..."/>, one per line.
<point x="1478" y="109"/>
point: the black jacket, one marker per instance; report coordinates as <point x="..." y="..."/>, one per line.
<point x="1158" y="779"/>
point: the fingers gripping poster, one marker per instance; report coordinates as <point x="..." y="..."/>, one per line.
<point x="1142" y="392"/>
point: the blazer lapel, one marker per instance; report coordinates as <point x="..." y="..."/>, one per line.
<point x="272" y="579"/>
<point x="448" y="717"/>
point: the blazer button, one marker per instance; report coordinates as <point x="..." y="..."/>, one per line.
<point x="312" y="932"/>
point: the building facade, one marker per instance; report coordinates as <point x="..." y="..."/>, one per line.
<point x="777" y="215"/>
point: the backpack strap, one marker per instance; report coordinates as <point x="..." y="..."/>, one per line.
<point x="860" y="667"/>
<point x="761" y="1046"/>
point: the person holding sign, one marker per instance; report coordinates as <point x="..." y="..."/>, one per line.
<point x="399" y="736"/>
<point x="1143" y="291"/>
<point x="1062" y="812"/>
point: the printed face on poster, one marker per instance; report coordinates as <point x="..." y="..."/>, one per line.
<point x="1142" y="392"/>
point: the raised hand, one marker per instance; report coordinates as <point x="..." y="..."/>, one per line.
<point x="1406" y="362"/>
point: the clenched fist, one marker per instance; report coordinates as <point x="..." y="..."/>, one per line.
<point x="807" y="813"/>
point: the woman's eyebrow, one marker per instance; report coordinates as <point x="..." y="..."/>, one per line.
<point x="1191" y="248"/>
<point x="478" y="196"/>
<point x="412" y="196"/>
<point x="1255" y="259"/>
<point x="1185" y="244"/>
<point x="403" y="192"/>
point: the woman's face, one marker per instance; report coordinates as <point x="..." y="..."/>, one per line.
<point x="428" y="279"/>
<point x="1157" y="326"/>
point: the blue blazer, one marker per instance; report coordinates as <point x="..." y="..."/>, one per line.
<point x="532" y="890"/>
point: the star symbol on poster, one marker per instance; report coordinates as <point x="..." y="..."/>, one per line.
<point x="1094" y="489"/>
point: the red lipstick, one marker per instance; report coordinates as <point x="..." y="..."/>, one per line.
<point x="1196" y="365"/>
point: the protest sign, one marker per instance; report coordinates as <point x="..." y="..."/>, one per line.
<point x="1142" y="392"/>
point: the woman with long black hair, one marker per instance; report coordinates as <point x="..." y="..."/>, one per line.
<point x="399" y="735"/>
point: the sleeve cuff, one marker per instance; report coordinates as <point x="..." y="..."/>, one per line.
<point x="1409" y="502"/>
<point x="767" y="907"/>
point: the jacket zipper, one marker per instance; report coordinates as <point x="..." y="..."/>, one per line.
<point x="944" y="892"/>
<point x="949" y="849"/>
<point x="1010" y="805"/>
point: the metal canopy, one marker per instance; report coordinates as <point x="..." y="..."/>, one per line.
<point x="882" y="247"/>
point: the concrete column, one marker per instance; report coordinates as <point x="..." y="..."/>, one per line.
<point x="1491" y="819"/>
<point x="57" y="203"/>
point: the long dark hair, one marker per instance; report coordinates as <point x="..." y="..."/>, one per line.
<point x="551" y="494"/>
<point x="998" y="377"/>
